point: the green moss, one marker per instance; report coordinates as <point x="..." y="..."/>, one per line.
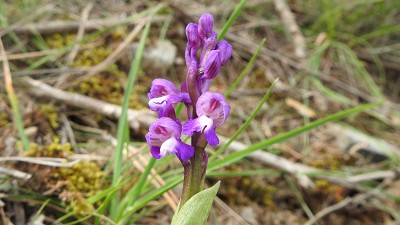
<point x="4" y="119"/>
<point x="82" y="180"/>
<point x="50" y="111"/>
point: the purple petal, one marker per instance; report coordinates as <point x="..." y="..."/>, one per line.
<point x="155" y="152"/>
<point x="176" y="146"/>
<point x="211" y="136"/>
<point x="184" y="151"/>
<point x="206" y="23"/>
<point x="170" y="146"/>
<point x="162" y="87"/>
<point x="202" y="124"/>
<point x="225" y="51"/>
<point x="212" y="65"/>
<point x="198" y="124"/>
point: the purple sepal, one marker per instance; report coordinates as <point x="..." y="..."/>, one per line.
<point x="164" y="96"/>
<point x="185" y="151"/>
<point x="225" y="51"/>
<point x="162" y="87"/>
<point x="209" y="45"/>
<point x="206" y="23"/>
<point x="204" y="125"/>
<point x="212" y="65"/>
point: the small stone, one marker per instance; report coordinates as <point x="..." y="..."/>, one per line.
<point x="249" y="215"/>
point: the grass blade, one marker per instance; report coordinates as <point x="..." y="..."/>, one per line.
<point x="134" y="193"/>
<point x="245" y="70"/>
<point x="122" y="122"/>
<point x="246" y="124"/>
<point x="234" y="157"/>
<point x="13" y="98"/>
<point x="232" y="19"/>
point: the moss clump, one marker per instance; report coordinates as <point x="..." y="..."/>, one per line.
<point x="54" y="150"/>
<point x="50" y="111"/>
<point x="83" y="177"/>
<point x="72" y="184"/>
<point x="4" y="119"/>
<point x="59" y="41"/>
<point x="327" y="188"/>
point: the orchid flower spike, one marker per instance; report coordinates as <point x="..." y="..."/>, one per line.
<point x="212" y="111"/>
<point x="164" y="136"/>
<point x="163" y="96"/>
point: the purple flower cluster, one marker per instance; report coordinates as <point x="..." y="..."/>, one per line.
<point x="206" y="110"/>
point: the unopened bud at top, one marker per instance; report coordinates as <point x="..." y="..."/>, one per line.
<point x="192" y="35"/>
<point x="206" y="23"/>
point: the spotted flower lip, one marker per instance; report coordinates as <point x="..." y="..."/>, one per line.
<point x="164" y="136"/>
<point x="164" y="95"/>
<point x="212" y="111"/>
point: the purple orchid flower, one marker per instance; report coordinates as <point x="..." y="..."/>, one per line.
<point x="164" y="136"/>
<point x="212" y="111"/>
<point x="163" y="96"/>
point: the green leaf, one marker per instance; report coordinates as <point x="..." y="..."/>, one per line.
<point x="196" y="210"/>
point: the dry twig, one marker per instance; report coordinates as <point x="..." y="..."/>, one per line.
<point x="112" y="57"/>
<point x="289" y="20"/>
<point x="347" y="201"/>
<point x="15" y="173"/>
<point x="74" y="51"/>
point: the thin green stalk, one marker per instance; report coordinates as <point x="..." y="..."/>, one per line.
<point x="300" y="198"/>
<point x="245" y="70"/>
<point x="232" y="19"/>
<point x="245" y="124"/>
<point x="122" y="123"/>
<point x="134" y="193"/>
<point x="193" y="176"/>
<point x="13" y="98"/>
<point x="140" y="203"/>
<point x="236" y="156"/>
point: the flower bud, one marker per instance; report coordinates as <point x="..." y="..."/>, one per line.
<point x="225" y="51"/>
<point x="193" y="37"/>
<point x="206" y="23"/>
<point x="212" y="65"/>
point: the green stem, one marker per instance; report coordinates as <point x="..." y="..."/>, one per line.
<point x="194" y="171"/>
